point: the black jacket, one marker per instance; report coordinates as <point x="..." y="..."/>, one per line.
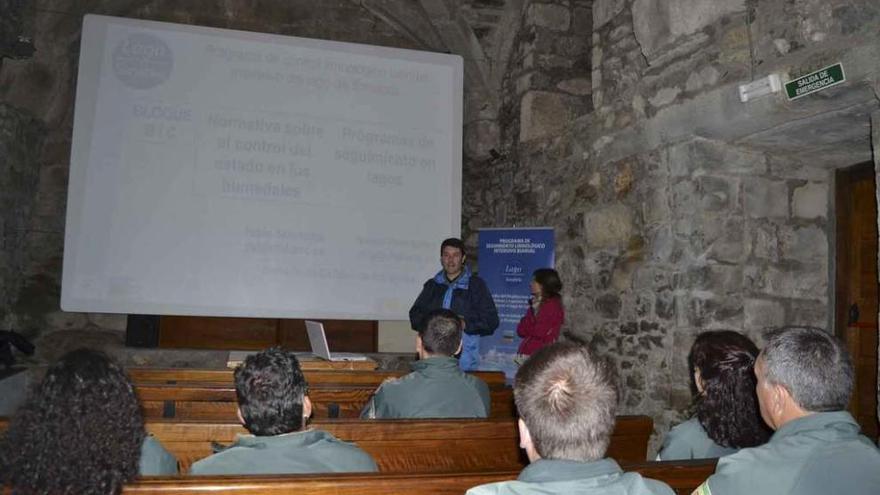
<point x="475" y="304"/>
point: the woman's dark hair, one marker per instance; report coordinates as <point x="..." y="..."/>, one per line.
<point x="728" y="406"/>
<point x="80" y="431"/>
<point x="549" y="281"/>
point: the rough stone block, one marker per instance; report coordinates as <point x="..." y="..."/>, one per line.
<point x="715" y="156"/>
<point x="664" y="97"/>
<point x="108" y="321"/>
<point x="714" y="312"/>
<point x="658" y="23"/>
<point x="605" y="10"/>
<point x="548" y="15"/>
<point x="684" y="201"/>
<point x="765" y="240"/>
<point x="61" y="320"/>
<point x="761" y="314"/>
<point x="765" y="198"/>
<point x="481" y="137"/>
<point x="543" y="114"/>
<point x="810" y="201"/>
<point x="807" y="312"/>
<point x="805" y="244"/>
<point x="661" y="244"/>
<point x="725" y="240"/>
<point x="804" y="282"/>
<point x="610" y="227"/>
<point x="717" y="193"/>
<point x="707" y="76"/>
<point x="608" y="306"/>
<point x="578" y="86"/>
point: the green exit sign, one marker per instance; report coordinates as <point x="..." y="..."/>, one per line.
<point x="815" y="81"/>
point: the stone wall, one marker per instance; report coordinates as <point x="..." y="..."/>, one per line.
<point x="678" y="208"/>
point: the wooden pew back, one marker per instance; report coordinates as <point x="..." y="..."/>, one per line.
<point x="217" y="402"/>
<point x="225" y="376"/>
<point x="335" y="484"/>
<point x="682" y="476"/>
<point x="407" y="445"/>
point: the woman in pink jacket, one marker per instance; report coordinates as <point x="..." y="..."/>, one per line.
<point x="540" y="326"/>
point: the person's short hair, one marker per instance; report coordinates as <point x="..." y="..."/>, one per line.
<point x="453" y="242"/>
<point x="80" y="431"/>
<point x="549" y="281"/>
<point x="271" y="390"/>
<point x="567" y="397"/>
<point x="812" y="365"/>
<point x="727" y="409"/>
<point x="441" y="333"/>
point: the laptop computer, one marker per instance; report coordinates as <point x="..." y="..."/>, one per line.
<point x="318" y="341"/>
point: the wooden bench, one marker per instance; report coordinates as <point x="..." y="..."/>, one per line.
<point x="407" y="445"/>
<point x="217" y="402"/>
<point x="682" y="476"/>
<point x="414" y="446"/>
<point x="327" y="484"/>
<point x="224" y="376"/>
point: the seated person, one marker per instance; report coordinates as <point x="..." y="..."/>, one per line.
<point x="436" y="388"/>
<point x="805" y="378"/>
<point x="726" y="416"/>
<point x="567" y="401"/>
<point x="80" y="431"/>
<point x="273" y="404"/>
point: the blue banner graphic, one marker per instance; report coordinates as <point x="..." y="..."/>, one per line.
<point x="507" y="259"/>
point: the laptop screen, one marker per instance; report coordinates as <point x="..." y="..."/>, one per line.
<point x="317" y="339"/>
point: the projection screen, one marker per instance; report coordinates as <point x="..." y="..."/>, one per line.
<point x="228" y="173"/>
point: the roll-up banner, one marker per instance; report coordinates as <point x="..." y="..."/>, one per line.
<point x="507" y="259"/>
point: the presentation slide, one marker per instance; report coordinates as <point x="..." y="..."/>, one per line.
<point x="228" y="173"/>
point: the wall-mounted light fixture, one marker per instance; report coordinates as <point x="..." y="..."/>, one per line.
<point x="760" y="87"/>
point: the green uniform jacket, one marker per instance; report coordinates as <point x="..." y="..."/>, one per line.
<point x="436" y="388"/>
<point x="155" y="460"/>
<point x="310" y="451"/>
<point x="602" y="477"/>
<point x="820" y="454"/>
<point x="690" y="441"/>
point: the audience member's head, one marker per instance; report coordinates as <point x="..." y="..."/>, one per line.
<point x="722" y="365"/>
<point x="80" y="431"/>
<point x="547" y="282"/>
<point x="800" y="371"/>
<point x="567" y="401"/>
<point x="441" y="335"/>
<point x="272" y="393"/>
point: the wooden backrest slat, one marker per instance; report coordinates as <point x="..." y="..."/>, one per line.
<point x="187" y="399"/>
<point x="220" y="376"/>
<point x="682" y="476"/>
<point x="406" y="445"/>
<point x="335" y="484"/>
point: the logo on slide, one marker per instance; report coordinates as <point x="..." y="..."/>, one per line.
<point x="513" y="272"/>
<point x="142" y="61"/>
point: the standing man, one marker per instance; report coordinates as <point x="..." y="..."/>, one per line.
<point x="457" y="289"/>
